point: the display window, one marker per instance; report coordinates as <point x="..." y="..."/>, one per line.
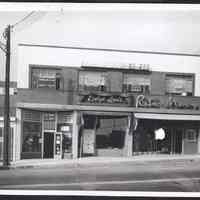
<point x="45" y="78"/>
<point x="179" y="85"/>
<point x="31" y="134"/>
<point x="92" y="81"/>
<point x="66" y="130"/>
<point x="137" y="83"/>
<point x="191" y="135"/>
<point x="31" y="137"/>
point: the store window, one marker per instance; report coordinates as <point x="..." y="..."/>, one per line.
<point x="31" y="136"/>
<point x="111" y="133"/>
<point x="179" y="85"/>
<point x="191" y="135"/>
<point x="137" y="83"/>
<point x="45" y="78"/>
<point x="65" y="127"/>
<point x="92" y="81"/>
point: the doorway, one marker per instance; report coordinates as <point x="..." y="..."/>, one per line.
<point x="176" y="140"/>
<point x="48" y="145"/>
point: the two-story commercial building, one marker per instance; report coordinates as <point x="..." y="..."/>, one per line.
<point x="69" y="112"/>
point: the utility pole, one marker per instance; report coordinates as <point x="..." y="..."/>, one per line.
<point x="6" y="158"/>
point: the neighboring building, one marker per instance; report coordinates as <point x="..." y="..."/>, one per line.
<point x="70" y="112"/>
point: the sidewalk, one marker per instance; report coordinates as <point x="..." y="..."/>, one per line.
<point x="140" y="159"/>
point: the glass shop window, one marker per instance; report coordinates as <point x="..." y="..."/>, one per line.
<point x="32" y="129"/>
<point x="179" y="85"/>
<point x="92" y="81"/>
<point x="65" y="124"/>
<point x="110" y="133"/>
<point x="137" y="83"/>
<point x="45" y="78"/>
<point x="66" y="130"/>
<point x="191" y="135"/>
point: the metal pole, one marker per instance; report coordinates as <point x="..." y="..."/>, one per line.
<point x="7" y="102"/>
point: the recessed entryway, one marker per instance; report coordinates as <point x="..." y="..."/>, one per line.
<point x="48" y="145"/>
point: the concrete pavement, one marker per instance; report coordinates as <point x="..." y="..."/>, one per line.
<point x="141" y="159"/>
<point x="142" y="173"/>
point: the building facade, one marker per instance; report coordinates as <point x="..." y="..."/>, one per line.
<point x="68" y="113"/>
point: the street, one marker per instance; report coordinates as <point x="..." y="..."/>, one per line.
<point x="183" y="176"/>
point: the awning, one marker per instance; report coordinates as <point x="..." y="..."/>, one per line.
<point x="106" y="114"/>
<point x="167" y="116"/>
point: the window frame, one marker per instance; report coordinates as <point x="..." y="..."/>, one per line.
<point x="194" y="132"/>
<point x="136" y="74"/>
<point x="50" y="67"/>
<point x="22" y="131"/>
<point x="94" y="71"/>
<point x="186" y="75"/>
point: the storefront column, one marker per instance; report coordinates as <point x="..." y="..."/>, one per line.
<point x="75" y="136"/>
<point x="17" y="136"/>
<point x="129" y="138"/>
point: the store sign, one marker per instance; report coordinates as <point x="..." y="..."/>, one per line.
<point x="65" y="128"/>
<point x="134" y="66"/>
<point x="152" y="102"/>
<point x="107" y="99"/>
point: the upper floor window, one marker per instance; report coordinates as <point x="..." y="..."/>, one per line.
<point x="45" y="78"/>
<point x="92" y="81"/>
<point x="137" y="83"/>
<point x="179" y="84"/>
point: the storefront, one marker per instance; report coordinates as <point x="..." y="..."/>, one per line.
<point x="104" y="134"/>
<point x="46" y="134"/>
<point x="104" y="131"/>
<point x="179" y="134"/>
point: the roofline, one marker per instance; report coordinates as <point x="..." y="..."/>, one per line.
<point x="109" y="50"/>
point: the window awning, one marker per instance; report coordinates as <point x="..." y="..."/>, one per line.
<point x="106" y="113"/>
<point x="167" y="116"/>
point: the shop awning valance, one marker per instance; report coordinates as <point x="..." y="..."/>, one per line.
<point x="167" y="116"/>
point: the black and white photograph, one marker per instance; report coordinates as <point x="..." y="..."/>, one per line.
<point x="100" y="97"/>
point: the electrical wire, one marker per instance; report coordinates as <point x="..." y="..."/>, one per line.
<point x="2" y="46"/>
<point x="2" y="49"/>
<point x="23" y="19"/>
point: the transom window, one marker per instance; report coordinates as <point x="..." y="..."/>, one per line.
<point x="138" y="83"/>
<point x="92" y="81"/>
<point x="45" y="78"/>
<point x="179" y="85"/>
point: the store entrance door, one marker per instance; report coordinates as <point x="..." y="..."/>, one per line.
<point x="48" y="145"/>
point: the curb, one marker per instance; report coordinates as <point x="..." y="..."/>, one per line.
<point x="82" y="163"/>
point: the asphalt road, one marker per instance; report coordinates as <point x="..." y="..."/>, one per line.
<point x="165" y="176"/>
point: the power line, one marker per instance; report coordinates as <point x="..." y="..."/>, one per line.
<point x="23" y="19"/>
